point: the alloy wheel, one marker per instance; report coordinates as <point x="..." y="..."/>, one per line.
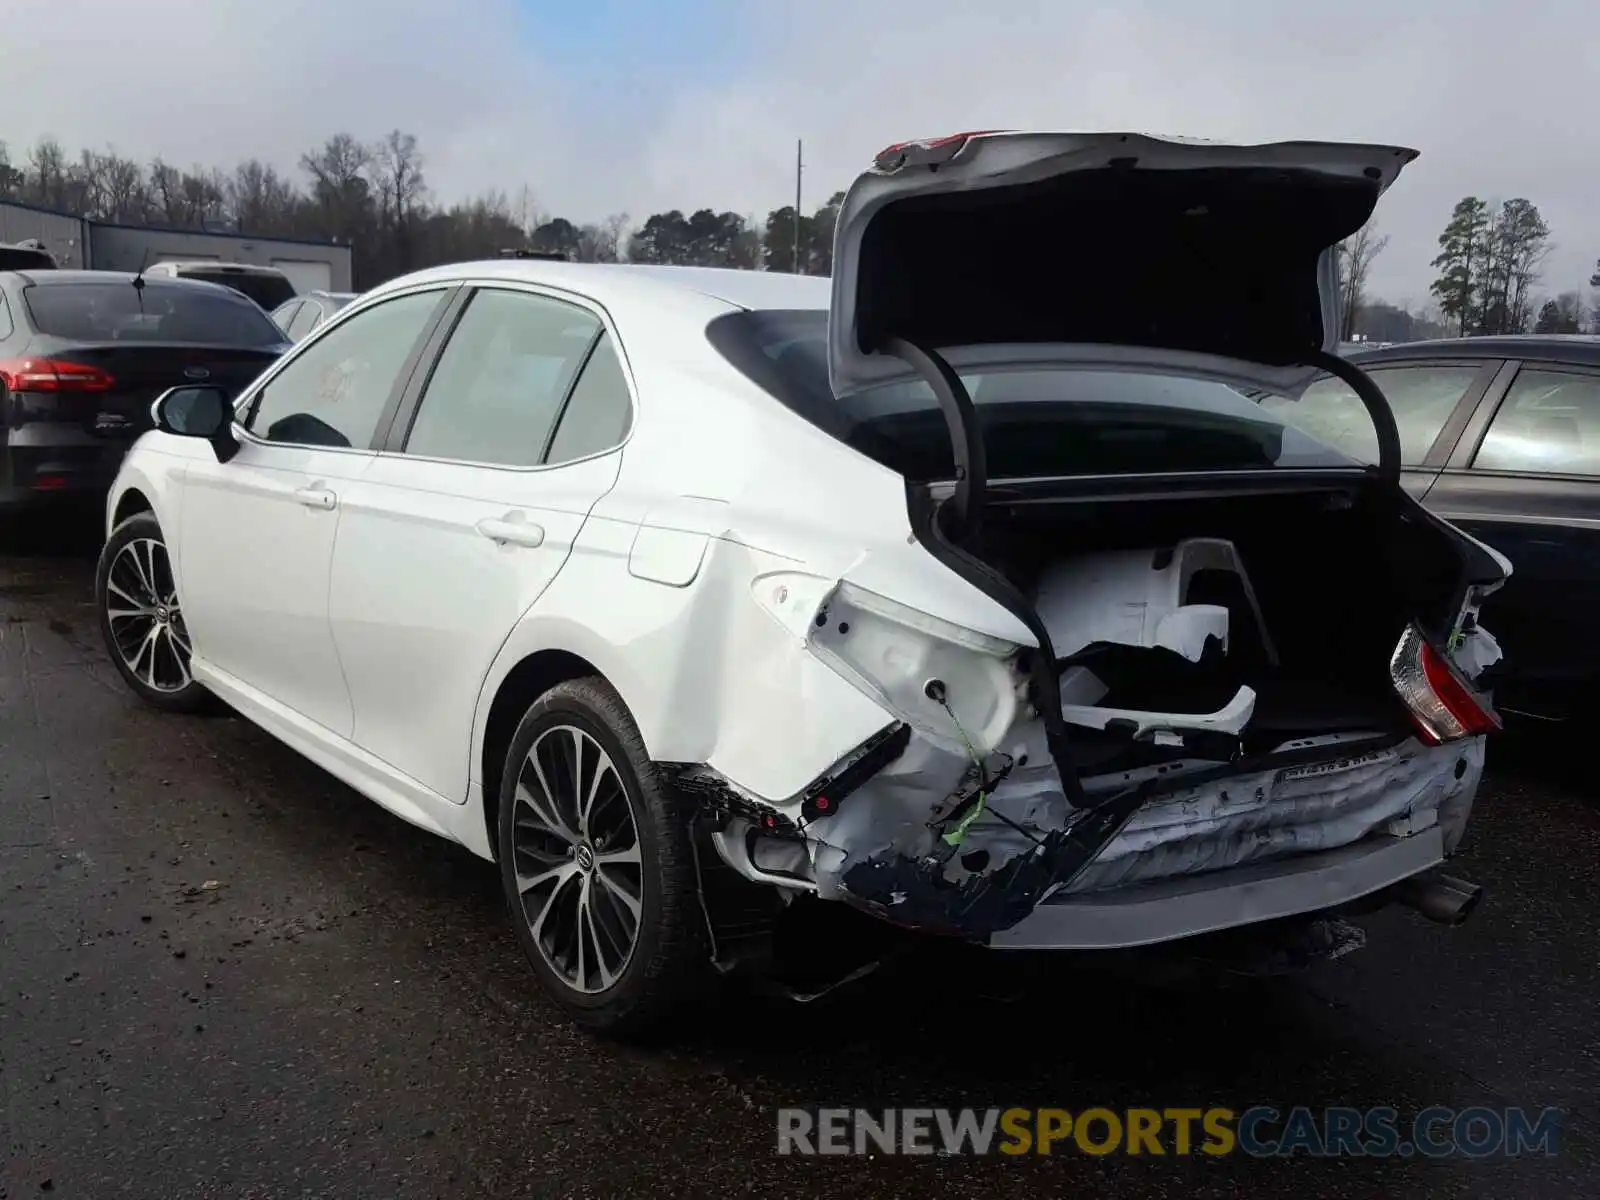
<point x="575" y="844"/>
<point x="145" y="617"/>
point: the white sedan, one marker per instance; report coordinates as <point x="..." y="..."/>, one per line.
<point x="967" y="588"/>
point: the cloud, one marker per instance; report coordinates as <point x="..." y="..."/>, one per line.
<point x="651" y="115"/>
<point x="1494" y="98"/>
<point x="218" y="81"/>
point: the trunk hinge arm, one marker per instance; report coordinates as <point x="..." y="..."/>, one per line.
<point x="1377" y="407"/>
<point x="957" y="521"/>
<point x="962" y="514"/>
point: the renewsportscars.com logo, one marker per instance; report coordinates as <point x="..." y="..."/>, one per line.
<point x="1259" y="1131"/>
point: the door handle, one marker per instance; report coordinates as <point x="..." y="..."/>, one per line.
<point x="316" y="497"/>
<point x="513" y="529"/>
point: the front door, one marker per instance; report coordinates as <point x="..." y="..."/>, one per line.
<point x="448" y="540"/>
<point x="257" y="532"/>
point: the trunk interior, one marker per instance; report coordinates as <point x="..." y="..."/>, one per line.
<point x="1337" y="573"/>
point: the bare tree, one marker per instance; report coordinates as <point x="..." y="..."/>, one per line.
<point x="525" y="212"/>
<point x="397" y="173"/>
<point x="47" y="162"/>
<point x="601" y="242"/>
<point x="165" y="204"/>
<point x="124" y="197"/>
<point x="263" y="201"/>
<point x="1356" y="253"/>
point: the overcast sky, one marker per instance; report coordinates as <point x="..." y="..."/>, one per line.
<point x="639" y="106"/>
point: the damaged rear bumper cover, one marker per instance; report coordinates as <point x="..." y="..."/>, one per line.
<point x="1323" y="826"/>
<point x="1193" y="852"/>
<point x="957" y="817"/>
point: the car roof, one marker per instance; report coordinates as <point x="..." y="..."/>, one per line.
<point x="1538" y="347"/>
<point x="603" y="281"/>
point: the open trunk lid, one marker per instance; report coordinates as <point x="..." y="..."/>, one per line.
<point x="1107" y="250"/>
<point x="988" y="252"/>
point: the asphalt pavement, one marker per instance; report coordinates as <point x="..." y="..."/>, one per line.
<point x="224" y="974"/>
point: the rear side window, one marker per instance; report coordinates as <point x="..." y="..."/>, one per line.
<point x="500" y="382"/>
<point x="1548" y="422"/>
<point x="1035" y="423"/>
<point x="596" y="416"/>
<point x="1422" y="397"/>
<point x="116" y="311"/>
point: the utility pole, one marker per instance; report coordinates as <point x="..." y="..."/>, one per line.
<point x="799" y="168"/>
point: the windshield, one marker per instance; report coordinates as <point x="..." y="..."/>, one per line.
<point x="116" y="311"/>
<point x="268" y="291"/>
<point x="1035" y="423"/>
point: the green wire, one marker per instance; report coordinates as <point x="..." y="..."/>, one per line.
<point x="954" y="837"/>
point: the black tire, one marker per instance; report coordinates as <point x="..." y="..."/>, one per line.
<point x="168" y="693"/>
<point x="669" y="963"/>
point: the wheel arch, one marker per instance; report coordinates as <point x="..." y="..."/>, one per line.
<point x="131" y="502"/>
<point x="530" y="678"/>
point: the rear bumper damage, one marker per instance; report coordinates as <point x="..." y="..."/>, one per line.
<point x="1349" y="821"/>
<point x="976" y="836"/>
<point x="1248" y="847"/>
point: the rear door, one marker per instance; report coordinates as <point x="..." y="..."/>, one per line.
<point x="456" y="530"/>
<point x="1525" y="479"/>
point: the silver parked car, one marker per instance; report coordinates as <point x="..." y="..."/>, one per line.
<point x="302" y="314"/>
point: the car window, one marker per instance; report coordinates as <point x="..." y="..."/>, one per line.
<point x="500" y="381"/>
<point x="307" y="319"/>
<point x="115" y="311"/>
<point x="1035" y="422"/>
<point x="268" y="291"/>
<point x="1422" y="397"/>
<point x="284" y="314"/>
<point x="333" y="394"/>
<point x="1549" y="421"/>
<point x="596" y="416"/>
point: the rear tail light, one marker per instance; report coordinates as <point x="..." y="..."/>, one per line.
<point x="1443" y="705"/>
<point x="53" y="375"/>
<point x="924" y="151"/>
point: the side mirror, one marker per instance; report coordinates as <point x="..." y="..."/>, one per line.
<point x="198" y="412"/>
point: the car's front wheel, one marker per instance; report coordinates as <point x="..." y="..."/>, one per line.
<point x="141" y="617"/>
<point x="597" y="864"/>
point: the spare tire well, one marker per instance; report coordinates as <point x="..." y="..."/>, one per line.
<point x="528" y="680"/>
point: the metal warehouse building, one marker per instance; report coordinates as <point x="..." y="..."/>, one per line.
<point x="79" y="242"/>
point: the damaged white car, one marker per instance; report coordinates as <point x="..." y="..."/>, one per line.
<point x="970" y="589"/>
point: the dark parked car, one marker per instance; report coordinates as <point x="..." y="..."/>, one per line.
<point x="25" y="256"/>
<point x="1501" y="437"/>
<point x="300" y="316"/>
<point x="83" y="354"/>
<point x="267" y="286"/>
